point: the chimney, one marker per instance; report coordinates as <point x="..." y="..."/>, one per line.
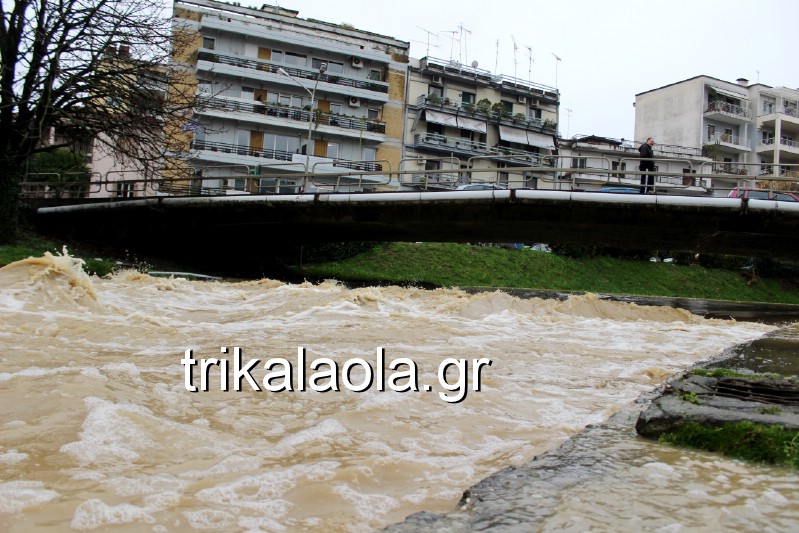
<point x="743" y="82"/>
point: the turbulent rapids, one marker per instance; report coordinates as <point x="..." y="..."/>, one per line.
<point x="99" y="430"/>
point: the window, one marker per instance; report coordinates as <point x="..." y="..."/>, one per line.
<point x="375" y="74"/>
<point x="243" y="142"/>
<point x="369" y="154"/>
<point x="125" y="189"/>
<point x="468" y="98"/>
<point x="373" y="114"/>
<point x="466" y="134"/>
<point x="435" y="90"/>
<point x="332" y="66"/>
<point x="277" y="55"/>
<point x="290" y="58"/>
<point x="578" y="162"/>
<point x="507" y="107"/>
<point x="534" y="113"/>
<point x="335" y="108"/>
<point x="616" y="166"/>
<point x="711" y="131"/>
<point x="247" y="93"/>
<point x="332" y="150"/>
<point x="209" y="43"/>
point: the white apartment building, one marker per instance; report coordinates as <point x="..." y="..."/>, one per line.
<point x="279" y="95"/>
<point x="465" y="123"/>
<point x="601" y="162"/>
<point x="748" y="130"/>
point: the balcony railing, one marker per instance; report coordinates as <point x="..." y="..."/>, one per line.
<point x="295" y="113"/>
<point x="481" y="112"/>
<point x="784" y="142"/>
<point x="719" y="106"/>
<point x="730" y="168"/>
<point x="369" y="85"/>
<point x="729" y="138"/>
<point x="458" y="144"/>
<point x="280" y="155"/>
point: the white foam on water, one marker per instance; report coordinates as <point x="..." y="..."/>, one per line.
<point x="18" y="495"/>
<point x="145" y="484"/>
<point x="94" y="513"/>
<point x="322" y="431"/>
<point x="12" y="457"/>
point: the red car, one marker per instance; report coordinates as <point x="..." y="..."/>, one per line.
<point x="763" y="194"/>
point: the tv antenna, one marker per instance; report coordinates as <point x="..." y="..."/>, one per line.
<point x="429" y="33"/>
<point x="557" y="60"/>
<point x="514" y="55"/>
<point x="452" y="38"/>
<point x="462" y="39"/>
<point x="530" y="65"/>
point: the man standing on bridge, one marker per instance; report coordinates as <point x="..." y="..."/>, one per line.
<point x="647" y="164"/>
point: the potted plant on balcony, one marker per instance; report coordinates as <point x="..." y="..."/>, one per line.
<point x="434" y="99"/>
<point x="519" y="117"/>
<point x="484" y="106"/>
<point x="468" y="107"/>
<point x="550" y="124"/>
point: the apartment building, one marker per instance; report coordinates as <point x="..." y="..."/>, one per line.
<point x="747" y="130"/>
<point x="600" y="162"/>
<point x="279" y="95"/>
<point x="464" y="123"/>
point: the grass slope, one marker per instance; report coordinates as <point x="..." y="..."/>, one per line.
<point x="450" y="265"/>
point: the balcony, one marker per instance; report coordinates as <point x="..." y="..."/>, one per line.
<point x="730" y="143"/>
<point x="479" y="112"/>
<point x="293" y="114"/>
<point x="467" y="148"/>
<point x="278" y="155"/>
<point x="768" y="145"/>
<point x="727" y="112"/>
<point x="256" y="66"/>
<point x="486" y="78"/>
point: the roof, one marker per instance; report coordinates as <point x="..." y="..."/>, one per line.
<point x="697" y="77"/>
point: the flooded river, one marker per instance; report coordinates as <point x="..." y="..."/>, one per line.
<point x="108" y="425"/>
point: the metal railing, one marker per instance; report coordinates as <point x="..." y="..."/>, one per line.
<point x="720" y="106"/>
<point x="265" y="66"/>
<point x="548" y="173"/>
<point x="729" y="138"/>
<point x="483" y="112"/>
<point x="294" y="113"/>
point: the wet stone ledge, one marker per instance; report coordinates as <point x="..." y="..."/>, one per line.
<point x="715" y="401"/>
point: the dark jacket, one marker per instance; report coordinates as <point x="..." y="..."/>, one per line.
<point x="646" y="153"/>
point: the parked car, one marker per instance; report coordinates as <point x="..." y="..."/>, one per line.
<point x="479" y="187"/>
<point x="622" y="190"/>
<point x="763" y="194"/>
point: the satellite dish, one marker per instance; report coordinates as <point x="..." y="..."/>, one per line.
<point x="474" y="64"/>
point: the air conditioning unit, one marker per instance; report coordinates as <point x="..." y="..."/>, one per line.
<point x="522" y="99"/>
<point x="354" y="101"/>
<point x="357" y="62"/>
<point x="437" y="80"/>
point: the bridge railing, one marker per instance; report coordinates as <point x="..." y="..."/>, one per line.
<point x="430" y="174"/>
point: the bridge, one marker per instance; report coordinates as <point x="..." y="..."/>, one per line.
<point x="251" y="227"/>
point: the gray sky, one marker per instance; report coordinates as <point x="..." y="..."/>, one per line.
<point x="609" y="51"/>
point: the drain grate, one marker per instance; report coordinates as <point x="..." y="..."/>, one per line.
<point x="779" y="391"/>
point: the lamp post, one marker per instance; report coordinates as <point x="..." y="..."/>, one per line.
<point x="322" y="69"/>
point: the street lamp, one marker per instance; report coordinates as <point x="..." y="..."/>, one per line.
<point x="322" y="69"/>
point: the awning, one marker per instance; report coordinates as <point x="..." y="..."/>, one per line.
<point x="513" y="135"/>
<point x="471" y="124"/>
<point x="546" y="142"/>
<point x="729" y="94"/>
<point x="441" y="118"/>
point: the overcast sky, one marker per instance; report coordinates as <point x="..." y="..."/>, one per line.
<point x="610" y="51"/>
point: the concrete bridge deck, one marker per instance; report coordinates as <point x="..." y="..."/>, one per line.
<point x="252" y="224"/>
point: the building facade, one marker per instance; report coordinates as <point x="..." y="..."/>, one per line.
<point x="465" y="124"/>
<point x="747" y="130"/>
<point x="280" y="96"/>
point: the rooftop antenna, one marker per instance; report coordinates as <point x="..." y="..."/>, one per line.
<point x="496" y="59"/>
<point x="462" y="39"/>
<point x="758" y="76"/>
<point x="557" y="60"/>
<point x="530" y="65"/>
<point x="514" y="55"/>
<point x="452" y="41"/>
<point x="429" y="33"/>
<point x="568" y="120"/>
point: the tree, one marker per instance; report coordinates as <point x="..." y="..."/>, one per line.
<point x="89" y="69"/>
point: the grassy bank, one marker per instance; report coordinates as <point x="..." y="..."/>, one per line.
<point x="461" y="265"/>
<point x="448" y="265"/>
